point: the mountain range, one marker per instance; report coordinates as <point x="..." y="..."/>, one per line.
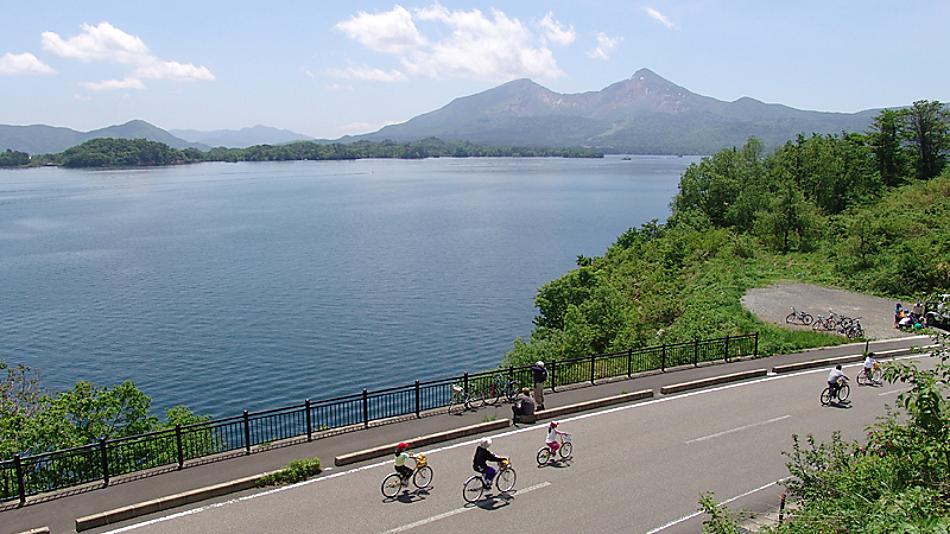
<point x="643" y="114"/>
<point x="245" y="137"/>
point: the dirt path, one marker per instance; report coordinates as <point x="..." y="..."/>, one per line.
<point x="772" y="304"/>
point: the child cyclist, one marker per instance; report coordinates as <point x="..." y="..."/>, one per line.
<point x="551" y="440"/>
<point x="869" y="363"/>
<point x="402" y="454"/>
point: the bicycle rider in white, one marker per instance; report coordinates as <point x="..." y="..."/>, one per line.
<point x="551" y="440"/>
<point x="869" y="362"/>
<point x="834" y="381"/>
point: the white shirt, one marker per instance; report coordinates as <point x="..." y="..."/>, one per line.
<point x="552" y="435"/>
<point x="868" y="363"/>
<point x="834" y="375"/>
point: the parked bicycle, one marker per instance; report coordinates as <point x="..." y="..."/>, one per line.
<point x="874" y="380"/>
<point x="476" y="485"/>
<point x="824" y="323"/>
<point x="852" y="330"/>
<point x="421" y="478"/>
<point x="500" y="388"/>
<point x="799" y="317"/>
<point x="565" y="451"/>
<point x="463" y="400"/>
<point x="844" y="391"/>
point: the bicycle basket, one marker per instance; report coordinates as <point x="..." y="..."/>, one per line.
<point x="421" y="461"/>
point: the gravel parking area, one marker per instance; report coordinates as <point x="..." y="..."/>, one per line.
<point x="772" y="304"/>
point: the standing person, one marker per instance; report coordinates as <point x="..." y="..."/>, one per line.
<point x="897" y="314"/>
<point x="540" y="376"/>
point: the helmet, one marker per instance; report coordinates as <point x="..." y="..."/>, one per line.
<point x="539" y="363"/>
<point x="553" y="424"/>
<point x="402" y="446"/>
<point x="485" y="443"/>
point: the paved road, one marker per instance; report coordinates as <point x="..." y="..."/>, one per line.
<point x="636" y="468"/>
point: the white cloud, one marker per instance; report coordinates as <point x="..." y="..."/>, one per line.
<point x="555" y="32"/>
<point x="469" y="44"/>
<point x="659" y="17"/>
<point x="24" y="63"/>
<point x="105" y="42"/>
<point x="111" y="85"/>
<point x="605" y="45"/>
<point x="362" y="72"/>
<point x="391" y="32"/>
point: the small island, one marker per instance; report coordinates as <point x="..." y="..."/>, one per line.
<point x="110" y="152"/>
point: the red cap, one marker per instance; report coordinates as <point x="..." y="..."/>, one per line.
<point x="402" y="446"/>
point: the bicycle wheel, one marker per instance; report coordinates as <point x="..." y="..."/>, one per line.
<point x="456" y="406"/>
<point x="790" y="318"/>
<point x="877" y="375"/>
<point x="543" y="456"/>
<point x="511" y="391"/>
<point x="844" y="392"/>
<point x="566" y="450"/>
<point x="475" y="400"/>
<point x="819" y="324"/>
<point x="391" y="486"/>
<point x="423" y="477"/>
<point x="505" y="480"/>
<point x="491" y="395"/>
<point x="473" y="488"/>
<point x="825" y="397"/>
<point x="807" y="319"/>
<point x="861" y="378"/>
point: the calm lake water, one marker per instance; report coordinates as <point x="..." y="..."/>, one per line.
<point x="253" y="285"/>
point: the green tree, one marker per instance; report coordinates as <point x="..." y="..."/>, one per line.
<point x="928" y="131"/>
<point x="885" y="138"/>
<point x="788" y="222"/>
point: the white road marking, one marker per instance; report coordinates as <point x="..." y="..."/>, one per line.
<point x="723" y="503"/>
<point x="478" y="439"/>
<point x="891" y="392"/>
<point x="457" y="511"/>
<point x="739" y="429"/>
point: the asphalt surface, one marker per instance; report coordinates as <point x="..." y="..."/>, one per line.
<point x="636" y="468"/>
<point x="59" y="511"/>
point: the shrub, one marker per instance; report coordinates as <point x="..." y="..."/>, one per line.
<point x="294" y="471"/>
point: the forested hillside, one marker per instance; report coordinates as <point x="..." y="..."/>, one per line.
<point x="868" y="212"/>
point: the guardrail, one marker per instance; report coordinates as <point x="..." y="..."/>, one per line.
<point x="172" y="447"/>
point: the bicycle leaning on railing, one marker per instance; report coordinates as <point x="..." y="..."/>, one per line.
<point x="500" y="388"/>
<point x="464" y="400"/>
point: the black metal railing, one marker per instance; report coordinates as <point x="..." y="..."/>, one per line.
<point x="31" y="475"/>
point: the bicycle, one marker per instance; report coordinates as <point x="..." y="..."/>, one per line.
<point x="853" y="330"/>
<point x="500" y="388"/>
<point x="421" y="478"/>
<point x="475" y="486"/>
<point x="463" y="400"/>
<point x="844" y="391"/>
<point x="825" y="323"/>
<point x="874" y="380"/>
<point x="565" y="451"/>
<point x="804" y="318"/>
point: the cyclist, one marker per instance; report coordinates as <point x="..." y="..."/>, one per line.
<point x="402" y="454"/>
<point x="482" y="457"/>
<point x="869" y="363"/>
<point x="553" y="432"/>
<point x="834" y="381"/>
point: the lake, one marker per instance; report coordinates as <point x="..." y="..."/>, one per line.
<point x="252" y="285"/>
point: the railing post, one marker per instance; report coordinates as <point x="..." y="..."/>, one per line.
<point x="20" y="483"/>
<point x="465" y="383"/>
<point x="365" y="408"/>
<point x="306" y="406"/>
<point x="104" y="451"/>
<point x="726" y="349"/>
<point x="755" y="348"/>
<point x="553" y="376"/>
<point x="592" y="368"/>
<point x="696" y="353"/>
<point x="629" y="362"/>
<point x="418" y="401"/>
<point x="663" y="357"/>
<point x="178" y="447"/>
<point x="247" y="433"/>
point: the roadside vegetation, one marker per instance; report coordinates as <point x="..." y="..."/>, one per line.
<point x="866" y="212"/>
<point x="108" y="152"/>
<point x="898" y="481"/>
<point x="295" y="471"/>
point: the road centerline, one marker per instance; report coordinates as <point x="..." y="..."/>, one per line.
<point x="456" y="511"/>
<point x="738" y="429"/>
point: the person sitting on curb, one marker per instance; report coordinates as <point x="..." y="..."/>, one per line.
<point x="523" y="407"/>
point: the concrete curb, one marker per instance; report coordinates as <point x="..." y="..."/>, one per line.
<point x="788" y="368"/>
<point x="421" y="441"/>
<point x="39" y="530"/>
<point x="164" y="503"/>
<point x="596" y="403"/>
<point x="712" y="381"/>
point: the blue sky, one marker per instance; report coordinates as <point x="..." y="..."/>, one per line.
<point x="327" y="69"/>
